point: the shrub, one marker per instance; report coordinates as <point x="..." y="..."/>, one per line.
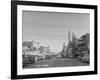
<point x="29" y="59"/>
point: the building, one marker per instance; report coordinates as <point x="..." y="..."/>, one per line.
<point x="31" y="44"/>
<point x="67" y="49"/>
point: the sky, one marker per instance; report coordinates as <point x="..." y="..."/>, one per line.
<point x="51" y="28"/>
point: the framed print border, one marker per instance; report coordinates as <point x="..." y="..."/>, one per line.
<point x="14" y="38"/>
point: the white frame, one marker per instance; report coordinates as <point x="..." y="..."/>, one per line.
<point x="21" y="71"/>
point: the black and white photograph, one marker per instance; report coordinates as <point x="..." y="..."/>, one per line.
<point x="52" y="39"/>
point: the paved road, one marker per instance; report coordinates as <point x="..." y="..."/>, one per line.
<point x="56" y="63"/>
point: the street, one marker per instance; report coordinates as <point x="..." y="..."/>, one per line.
<point x="56" y="63"/>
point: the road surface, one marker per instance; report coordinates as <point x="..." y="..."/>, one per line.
<point x="56" y="63"/>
